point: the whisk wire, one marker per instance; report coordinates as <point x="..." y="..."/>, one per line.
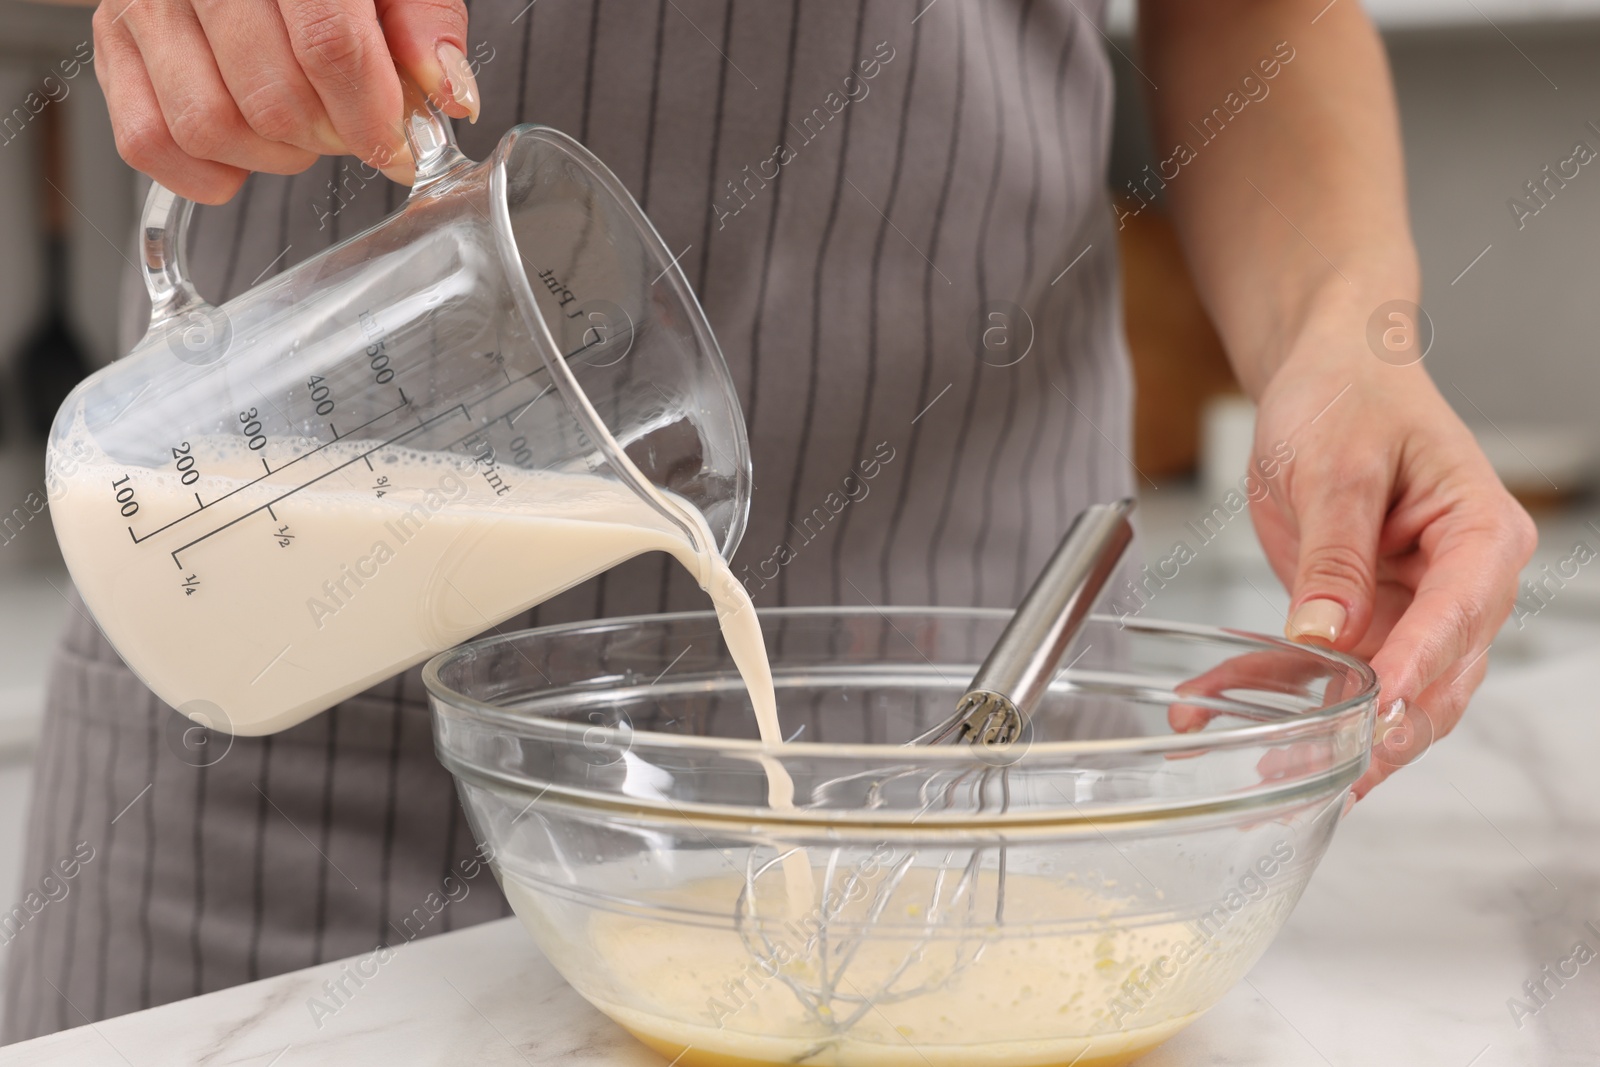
<point x="992" y="719"/>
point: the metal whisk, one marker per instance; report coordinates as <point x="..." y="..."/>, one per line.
<point x="1024" y="661"/>
<point x="944" y="898"/>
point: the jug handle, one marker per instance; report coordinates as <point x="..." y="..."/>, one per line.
<point x="164" y="226"/>
<point x="430" y="137"/>
<point x="162" y="230"/>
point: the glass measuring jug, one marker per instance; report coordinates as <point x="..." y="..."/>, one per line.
<point x="499" y="391"/>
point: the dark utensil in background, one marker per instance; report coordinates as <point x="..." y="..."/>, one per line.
<point x="51" y="361"/>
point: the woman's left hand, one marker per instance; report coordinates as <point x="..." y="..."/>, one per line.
<point x="1390" y="529"/>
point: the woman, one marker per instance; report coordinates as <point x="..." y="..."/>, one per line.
<point x="939" y="164"/>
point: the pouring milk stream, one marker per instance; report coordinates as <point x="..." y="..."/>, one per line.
<point x="496" y="393"/>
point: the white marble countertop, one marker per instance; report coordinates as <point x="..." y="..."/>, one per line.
<point x="1441" y="895"/>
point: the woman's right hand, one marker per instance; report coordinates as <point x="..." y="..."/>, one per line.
<point x="202" y="92"/>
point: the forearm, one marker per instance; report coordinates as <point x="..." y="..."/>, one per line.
<point x="1291" y="202"/>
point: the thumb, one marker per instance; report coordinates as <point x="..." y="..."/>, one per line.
<point x="1335" y="581"/>
<point x="428" y="40"/>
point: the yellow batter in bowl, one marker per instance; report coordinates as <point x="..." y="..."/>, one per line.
<point x="1050" y="989"/>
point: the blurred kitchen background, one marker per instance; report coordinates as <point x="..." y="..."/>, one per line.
<point x="1490" y="92"/>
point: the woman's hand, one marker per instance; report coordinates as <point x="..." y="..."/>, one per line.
<point x="1395" y="538"/>
<point x="202" y="92"/>
<point x="1390" y="529"/>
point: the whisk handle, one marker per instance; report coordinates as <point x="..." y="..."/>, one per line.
<point x="1025" y="660"/>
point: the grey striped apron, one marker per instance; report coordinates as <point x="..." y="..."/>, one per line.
<point x="929" y="281"/>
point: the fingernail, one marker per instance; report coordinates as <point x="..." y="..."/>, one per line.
<point x="328" y="139"/>
<point x="1349" y="802"/>
<point x="463" y="87"/>
<point x="394" y="162"/>
<point x="401" y="170"/>
<point x="1317" y="620"/>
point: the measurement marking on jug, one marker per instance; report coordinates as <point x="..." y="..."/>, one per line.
<point x="377" y="350"/>
<point x="128" y="506"/>
<point x="183" y="459"/>
<point x="402" y="435"/>
<point x="319" y="395"/>
<point x="304" y="455"/>
<point x="497" y="390"/>
<point x="474" y="432"/>
<point x="197" y="500"/>
<point x="272" y="513"/>
<point x="250" y="425"/>
<point x="507" y="415"/>
<point x="449" y="445"/>
<point x="599" y="342"/>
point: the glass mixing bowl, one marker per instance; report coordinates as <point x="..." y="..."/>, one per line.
<point x="1075" y="898"/>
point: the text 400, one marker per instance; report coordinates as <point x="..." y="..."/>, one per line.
<point x="319" y="395"/>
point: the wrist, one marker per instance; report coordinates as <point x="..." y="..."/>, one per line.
<point x="1351" y="321"/>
